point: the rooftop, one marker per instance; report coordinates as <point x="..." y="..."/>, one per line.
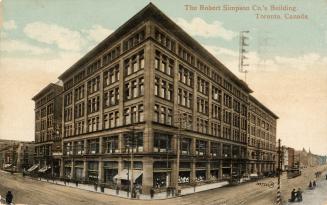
<point x="45" y="90"/>
<point x="151" y="11"/>
<point x="263" y="106"/>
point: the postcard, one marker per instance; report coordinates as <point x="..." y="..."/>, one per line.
<point x="209" y="102"/>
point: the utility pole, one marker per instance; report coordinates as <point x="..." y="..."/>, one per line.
<point x="279" y="198"/>
<point x="13" y="158"/>
<point x="132" y="164"/>
<point x="132" y="141"/>
<point x="178" y="148"/>
<point x="179" y="124"/>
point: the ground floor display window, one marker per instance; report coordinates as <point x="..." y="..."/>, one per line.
<point x="214" y="174"/>
<point x="93" y="171"/>
<point x="200" y="175"/>
<point x="110" y="171"/>
<point x="184" y="177"/>
<point x="79" y="166"/>
<point x="161" y="179"/>
<point x="67" y="169"/>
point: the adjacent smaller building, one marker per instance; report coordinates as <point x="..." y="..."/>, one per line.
<point x="17" y="157"/>
<point x="288" y="158"/>
<point x="48" y="130"/>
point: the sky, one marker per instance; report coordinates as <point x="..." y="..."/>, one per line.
<point x="287" y="57"/>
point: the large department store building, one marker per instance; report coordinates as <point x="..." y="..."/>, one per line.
<point x="128" y="101"/>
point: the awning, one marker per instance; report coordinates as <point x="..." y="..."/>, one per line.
<point x="7" y="165"/>
<point x="33" y="167"/>
<point x="124" y="174"/>
<point x="44" y="169"/>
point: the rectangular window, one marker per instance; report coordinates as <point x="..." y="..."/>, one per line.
<point x="162" y="142"/>
<point x="127" y="116"/>
<point x="141" y="113"/>
<point x="111" y="144"/>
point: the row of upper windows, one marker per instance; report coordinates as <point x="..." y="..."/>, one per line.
<point x="107" y="58"/>
<point x="263" y="114"/>
<point x="164" y="64"/>
<point x="261" y="123"/>
<point x="183" y="53"/>
<point x="111" y="76"/>
<point x="110" y="120"/>
<point x="132" y="114"/>
<point x="261" y="144"/>
<point x="44" y="99"/>
<point x="48" y="110"/>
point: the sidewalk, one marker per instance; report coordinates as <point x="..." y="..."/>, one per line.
<point x="124" y="194"/>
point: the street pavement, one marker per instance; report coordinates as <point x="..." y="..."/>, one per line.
<point x="29" y="191"/>
<point x="316" y="196"/>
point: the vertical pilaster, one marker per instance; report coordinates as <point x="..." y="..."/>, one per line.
<point x="86" y="129"/>
<point x="193" y="170"/>
<point x="72" y="170"/>
<point x="174" y="174"/>
<point x="147" y="182"/>
<point x="101" y="102"/>
<point x="210" y="108"/>
<point x="85" y="146"/>
<point x="148" y="96"/>
<point x="85" y="176"/>
<point x="101" y="172"/>
<point x="220" y="172"/>
<point x="120" y="169"/>
<point x="100" y="145"/>
<point x="208" y="168"/>
<point x="61" y="167"/>
<point x="193" y="146"/>
<point x="120" y="142"/>
<point x="195" y="96"/>
<point x="121" y="92"/>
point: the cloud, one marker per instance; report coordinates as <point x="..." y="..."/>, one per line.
<point x="217" y="51"/>
<point x="199" y="27"/>
<point x="9" y="25"/>
<point x="26" y="76"/>
<point x="307" y="61"/>
<point x="97" y="33"/>
<point x="53" y="34"/>
<point x="8" y="45"/>
<point x="54" y="64"/>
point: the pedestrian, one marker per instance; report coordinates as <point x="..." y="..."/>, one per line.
<point x="293" y="195"/>
<point x="117" y="190"/>
<point x="137" y="193"/>
<point x="310" y="185"/>
<point x="299" y="194"/>
<point x="9" y="197"/>
<point x="168" y="192"/>
<point x="152" y="192"/>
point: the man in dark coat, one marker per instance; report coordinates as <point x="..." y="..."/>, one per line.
<point x="9" y="197"/>
<point x="152" y="192"/>
<point x="293" y="195"/>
